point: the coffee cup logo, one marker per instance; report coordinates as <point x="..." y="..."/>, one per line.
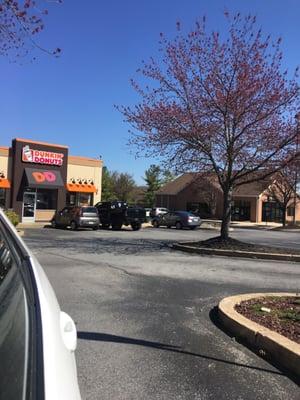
<point x="27" y="154"/>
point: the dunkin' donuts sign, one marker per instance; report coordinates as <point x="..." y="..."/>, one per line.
<point x="41" y="157"/>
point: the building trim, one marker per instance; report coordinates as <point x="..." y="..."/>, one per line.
<point x="81" y="187"/>
<point x="4" y="183"/>
<point x="84" y="161"/>
<point x="41" y="143"/>
<point x="4" y="151"/>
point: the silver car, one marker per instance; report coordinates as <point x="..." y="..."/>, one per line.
<point x="76" y="217"/>
<point x="179" y="219"/>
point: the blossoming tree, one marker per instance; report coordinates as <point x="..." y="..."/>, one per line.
<point x="218" y="102"/>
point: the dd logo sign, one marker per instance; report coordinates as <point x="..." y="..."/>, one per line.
<point x="45" y="176"/>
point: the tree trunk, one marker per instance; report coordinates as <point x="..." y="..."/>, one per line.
<point x="284" y="216"/>
<point x="226" y="218"/>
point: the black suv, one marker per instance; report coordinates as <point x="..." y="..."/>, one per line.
<point x="76" y="217"/>
<point x="118" y="213"/>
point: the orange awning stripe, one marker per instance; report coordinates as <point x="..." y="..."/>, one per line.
<point x="4" y="183"/>
<point x="81" y="187"/>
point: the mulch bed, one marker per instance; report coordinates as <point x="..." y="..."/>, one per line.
<point x="233" y="244"/>
<point x="284" y="317"/>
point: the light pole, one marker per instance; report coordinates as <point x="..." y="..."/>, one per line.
<point x="297" y="117"/>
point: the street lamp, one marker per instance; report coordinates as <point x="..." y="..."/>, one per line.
<point x="297" y="117"/>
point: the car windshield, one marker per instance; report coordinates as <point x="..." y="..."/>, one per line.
<point x="91" y="210"/>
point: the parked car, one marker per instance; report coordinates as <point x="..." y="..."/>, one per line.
<point x="179" y="219"/>
<point x="156" y="211"/>
<point x="117" y="213"/>
<point x="37" y="339"/>
<point x="76" y="217"/>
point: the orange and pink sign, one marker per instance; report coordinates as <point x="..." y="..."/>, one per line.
<point x="41" y="157"/>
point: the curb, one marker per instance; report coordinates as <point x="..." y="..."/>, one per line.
<point x="282" y="350"/>
<point x="189" y="248"/>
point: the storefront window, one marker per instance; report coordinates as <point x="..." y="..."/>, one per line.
<point x="2" y="197"/>
<point x="80" y="199"/>
<point x="240" y="210"/>
<point x="71" y="199"/>
<point x="272" y="212"/>
<point x="85" y="199"/>
<point x="46" y="199"/>
<point x="201" y="209"/>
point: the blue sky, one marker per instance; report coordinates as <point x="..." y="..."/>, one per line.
<point x="71" y="100"/>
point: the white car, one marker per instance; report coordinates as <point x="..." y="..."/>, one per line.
<point x="156" y="211"/>
<point x="37" y="339"/>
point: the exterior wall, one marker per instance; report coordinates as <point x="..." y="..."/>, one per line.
<point x="194" y="193"/>
<point x="86" y="169"/>
<point x="78" y="168"/>
<point x="289" y="219"/>
<point x="18" y="182"/>
<point x="4" y="160"/>
<point x="191" y="194"/>
<point x="6" y="169"/>
<point x="44" y="215"/>
<point x="167" y="201"/>
<point x="259" y="209"/>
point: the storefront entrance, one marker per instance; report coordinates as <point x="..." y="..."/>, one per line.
<point x="271" y="212"/>
<point x="240" y="210"/>
<point x="29" y="207"/>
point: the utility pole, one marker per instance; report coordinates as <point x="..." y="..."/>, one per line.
<point x="297" y="117"/>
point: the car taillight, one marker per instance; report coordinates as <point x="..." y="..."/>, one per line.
<point x="190" y="219"/>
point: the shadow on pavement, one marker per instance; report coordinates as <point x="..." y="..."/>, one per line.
<point x="104" y="337"/>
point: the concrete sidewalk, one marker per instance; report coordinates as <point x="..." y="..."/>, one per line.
<point x="33" y="225"/>
<point x="215" y="224"/>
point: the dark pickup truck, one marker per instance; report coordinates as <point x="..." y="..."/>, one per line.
<point x="118" y="213"/>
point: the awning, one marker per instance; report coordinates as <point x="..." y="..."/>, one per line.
<point x="42" y="178"/>
<point x="4" y="183"/>
<point x="81" y="187"/>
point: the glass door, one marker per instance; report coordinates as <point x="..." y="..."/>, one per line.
<point x="29" y="202"/>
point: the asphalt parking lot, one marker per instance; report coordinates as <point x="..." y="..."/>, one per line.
<point x="145" y="313"/>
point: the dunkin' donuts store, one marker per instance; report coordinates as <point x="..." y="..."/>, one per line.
<point x="38" y="178"/>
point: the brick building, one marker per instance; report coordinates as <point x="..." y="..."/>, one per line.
<point x="202" y="193"/>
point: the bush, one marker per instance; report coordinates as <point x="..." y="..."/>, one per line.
<point x="13" y="217"/>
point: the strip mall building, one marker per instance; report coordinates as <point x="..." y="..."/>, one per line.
<point x="37" y="178"/>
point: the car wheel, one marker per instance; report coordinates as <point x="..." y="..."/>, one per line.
<point x="155" y="224"/>
<point x="116" y="227"/>
<point x="136" y="226"/>
<point x="169" y="226"/>
<point x="53" y="224"/>
<point x="73" y="226"/>
<point x="178" y="225"/>
<point x="105" y="226"/>
<point x="95" y="228"/>
<point x="192" y="227"/>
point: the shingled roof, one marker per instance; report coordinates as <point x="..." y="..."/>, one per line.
<point x="253" y="189"/>
<point x="178" y="184"/>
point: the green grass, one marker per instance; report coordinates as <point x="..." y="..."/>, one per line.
<point x="289" y="315"/>
<point x="257" y="308"/>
